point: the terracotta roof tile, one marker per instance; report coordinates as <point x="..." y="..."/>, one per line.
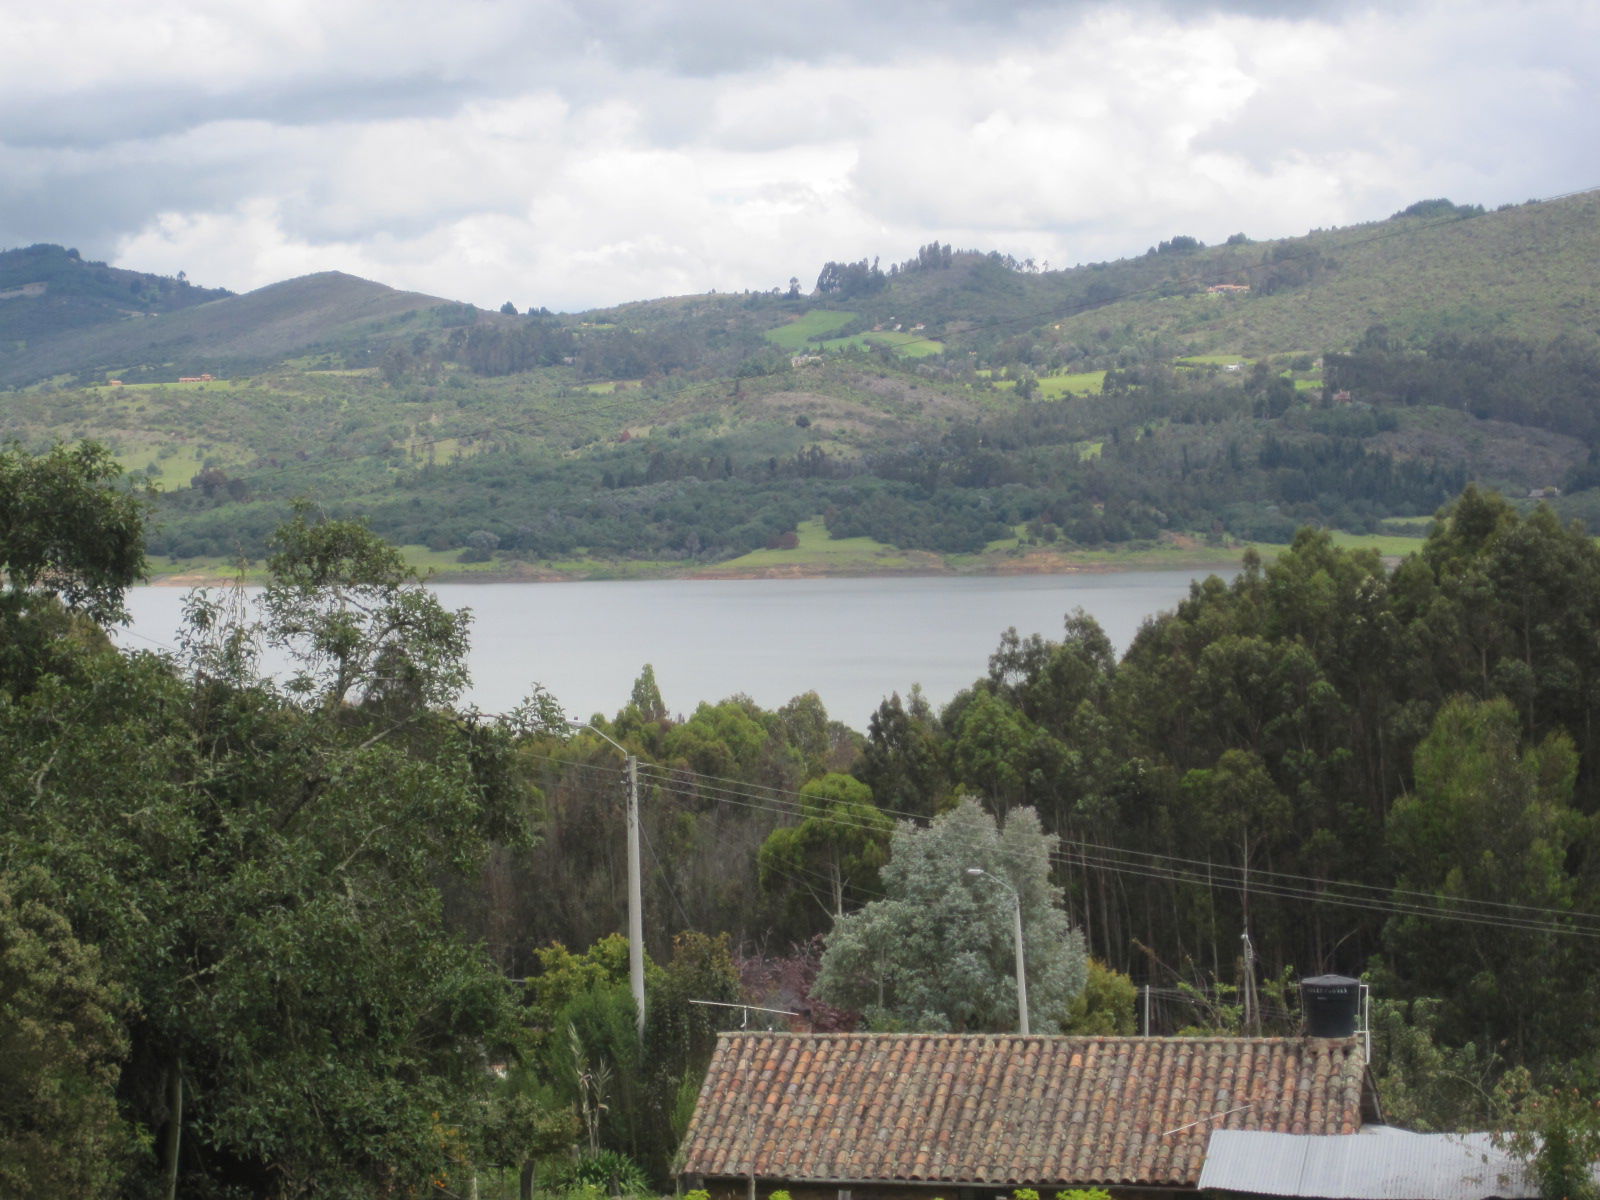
<point x="1003" y="1109"/>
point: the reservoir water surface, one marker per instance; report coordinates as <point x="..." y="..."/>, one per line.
<point x="853" y="641"/>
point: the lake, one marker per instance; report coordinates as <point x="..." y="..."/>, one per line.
<point x="853" y="641"/>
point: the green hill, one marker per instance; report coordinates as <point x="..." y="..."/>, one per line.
<point x="310" y="314"/>
<point x="48" y="290"/>
<point x="959" y="407"/>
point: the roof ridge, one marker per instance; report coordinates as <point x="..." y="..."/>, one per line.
<point x="1276" y="1039"/>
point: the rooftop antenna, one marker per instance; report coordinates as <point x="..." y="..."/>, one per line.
<point x="744" y="1020"/>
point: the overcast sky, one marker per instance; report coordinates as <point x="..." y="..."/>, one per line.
<point x="573" y="154"/>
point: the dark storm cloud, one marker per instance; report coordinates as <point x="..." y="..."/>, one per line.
<point x="130" y="111"/>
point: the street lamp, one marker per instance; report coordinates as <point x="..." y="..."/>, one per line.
<point x="1016" y="930"/>
<point x="635" y="888"/>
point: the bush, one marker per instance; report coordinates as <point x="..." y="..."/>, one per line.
<point x="613" y="1173"/>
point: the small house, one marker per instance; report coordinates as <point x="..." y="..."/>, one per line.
<point x="966" y="1117"/>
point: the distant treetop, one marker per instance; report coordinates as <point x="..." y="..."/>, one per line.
<point x="1439" y="207"/>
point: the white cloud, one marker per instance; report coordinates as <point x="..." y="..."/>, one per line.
<point x="567" y="154"/>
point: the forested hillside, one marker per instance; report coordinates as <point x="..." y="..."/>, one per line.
<point x="957" y="405"/>
<point x="47" y="291"/>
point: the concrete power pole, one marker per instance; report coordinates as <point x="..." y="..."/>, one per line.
<point x="635" y="887"/>
<point x="635" y="899"/>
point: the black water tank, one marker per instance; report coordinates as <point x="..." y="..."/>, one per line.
<point x="1330" y="1004"/>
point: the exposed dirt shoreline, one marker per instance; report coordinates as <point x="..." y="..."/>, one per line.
<point x="1040" y="563"/>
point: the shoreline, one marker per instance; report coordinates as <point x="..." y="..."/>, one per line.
<point x="1032" y="564"/>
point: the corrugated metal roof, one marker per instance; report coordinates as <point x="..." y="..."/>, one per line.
<point x="1378" y="1163"/>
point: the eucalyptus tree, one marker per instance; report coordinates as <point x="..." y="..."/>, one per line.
<point x="836" y="848"/>
<point x="937" y="952"/>
<point x="1489" y="829"/>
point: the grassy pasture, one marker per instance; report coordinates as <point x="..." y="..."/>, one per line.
<point x="178" y="463"/>
<point x="803" y="332"/>
<point x="1076" y="383"/>
<point x="817" y="549"/>
<point x="907" y="345"/>
<point x="1387" y="544"/>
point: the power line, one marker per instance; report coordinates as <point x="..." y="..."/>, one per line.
<point x="1177" y="867"/>
<point x="1186" y="871"/>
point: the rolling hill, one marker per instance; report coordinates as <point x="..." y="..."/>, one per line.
<point x="958" y="404"/>
<point x="217" y="334"/>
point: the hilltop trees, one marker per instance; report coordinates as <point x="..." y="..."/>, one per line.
<point x="848" y="281"/>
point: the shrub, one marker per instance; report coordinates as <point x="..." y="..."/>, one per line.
<point x="607" y="1171"/>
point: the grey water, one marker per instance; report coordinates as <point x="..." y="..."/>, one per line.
<point x="852" y="641"/>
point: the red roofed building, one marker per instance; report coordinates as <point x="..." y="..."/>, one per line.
<point x="850" y="1116"/>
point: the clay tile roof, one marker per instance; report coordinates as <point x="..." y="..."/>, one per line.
<point x="1004" y="1110"/>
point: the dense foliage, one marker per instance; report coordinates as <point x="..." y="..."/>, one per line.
<point x="236" y="882"/>
<point x="1380" y="770"/>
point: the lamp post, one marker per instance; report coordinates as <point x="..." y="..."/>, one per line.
<point x="635" y="901"/>
<point x="1016" y="931"/>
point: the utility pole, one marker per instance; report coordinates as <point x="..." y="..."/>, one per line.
<point x="1016" y="933"/>
<point x="635" y="898"/>
<point x="1247" y="990"/>
<point x="635" y="887"/>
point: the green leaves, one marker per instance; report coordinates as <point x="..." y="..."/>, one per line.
<point x="1488" y="828"/>
<point x="62" y="1045"/>
<point x="66" y="530"/>
<point x="841" y="841"/>
<point x="937" y="951"/>
<point x="261" y="873"/>
<point x="356" y="621"/>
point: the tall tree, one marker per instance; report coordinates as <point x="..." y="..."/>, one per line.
<point x="938" y="951"/>
<point x="68" y="530"/>
<point x="837" y="847"/>
<point x="1488" y="830"/>
<point x="62" y="1044"/>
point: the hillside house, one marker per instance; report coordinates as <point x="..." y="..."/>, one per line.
<point x="967" y="1117"/>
